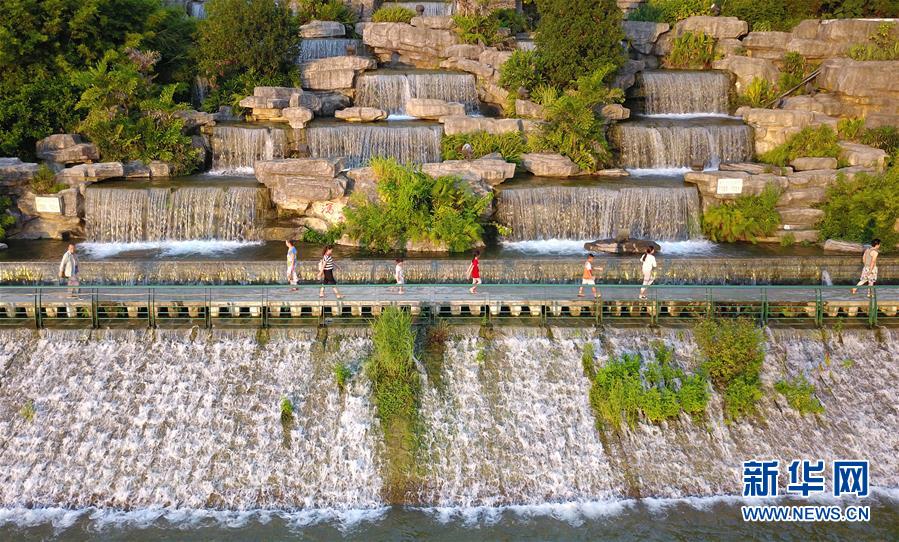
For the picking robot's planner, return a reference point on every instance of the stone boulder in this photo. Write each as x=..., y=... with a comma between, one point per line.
x=297, y=117
x=863, y=87
x=642, y=35
x=615, y=112
x=822, y=103
x=800, y=219
x=433, y=22
x=747, y=68
x=322, y=29
x=716, y=27
x=309, y=100
x=807, y=164
x=835, y=245
x=330, y=102
x=15, y=174
x=769, y=45
x=857, y=154
x=333, y=73
x=424, y=108
x=772, y=127
x=422, y=47
x=527, y=108
x=90, y=173
x=51, y=227
x=622, y=246
x=492, y=171
x=194, y=120
x=298, y=167
x=464, y=50
x=544, y=164
x=494, y=57
x=467, y=125
x=815, y=49
x=296, y=183
x=361, y=114
x=67, y=149
x=475, y=67
x=626, y=75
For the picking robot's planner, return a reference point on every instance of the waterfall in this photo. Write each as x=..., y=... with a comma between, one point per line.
x=587, y=213
x=685, y=92
x=432, y=9
x=161, y=214
x=236, y=148
x=359, y=143
x=389, y=91
x=677, y=144
x=316, y=48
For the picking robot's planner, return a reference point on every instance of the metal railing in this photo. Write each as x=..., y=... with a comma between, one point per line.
x=279, y=306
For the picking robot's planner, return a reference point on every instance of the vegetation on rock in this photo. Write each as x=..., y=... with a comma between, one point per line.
x=392, y=14
x=522, y=70
x=759, y=93
x=733, y=353
x=691, y=50
x=669, y=11
x=6, y=219
x=325, y=10
x=816, y=142
x=863, y=208
x=800, y=395
x=44, y=181
x=882, y=44
x=510, y=145
x=413, y=206
x=747, y=218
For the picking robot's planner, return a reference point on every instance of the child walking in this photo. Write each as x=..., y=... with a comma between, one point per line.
x=326, y=269
x=588, y=279
x=399, y=275
x=649, y=267
x=474, y=272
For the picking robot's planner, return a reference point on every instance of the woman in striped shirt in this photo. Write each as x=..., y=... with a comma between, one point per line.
x=326, y=269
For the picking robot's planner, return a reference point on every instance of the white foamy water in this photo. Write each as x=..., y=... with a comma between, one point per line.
x=166, y=248
x=692, y=246
x=690, y=116
x=573, y=247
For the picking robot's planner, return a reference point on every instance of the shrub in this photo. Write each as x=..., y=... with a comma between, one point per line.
x=44, y=181
x=587, y=361
x=229, y=92
x=733, y=354
x=574, y=42
x=286, y=411
x=477, y=29
x=863, y=208
x=342, y=374
x=6, y=219
x=511, y=19
x=325, y=10
x=851, y=129
x=669, y=11
x=884, y=137
x=800, y=395
x=795, y=70
x=820, y=141
x=236, y=36
x=759, y=92
x=328, y=237
x=510, y=145
x=391, y=366
x=414, y=206
x=572, y=127
x=747, y=218
x=129, y=118
x=691, y=50
x=882, y=45
x=27, y=411
x=393, y=14
x=522, y=70
x=762, y=15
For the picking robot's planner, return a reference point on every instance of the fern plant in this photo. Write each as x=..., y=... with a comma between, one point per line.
x=745, y=219
x=691, y=50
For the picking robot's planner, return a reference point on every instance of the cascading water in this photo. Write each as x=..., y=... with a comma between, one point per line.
x=129, y=215
x=669, y=144
x=562, y=212
x=316, y=48
x=389, y=91
x=677, y=92
x=235, y=148
x=432, y=9
x=359, y=143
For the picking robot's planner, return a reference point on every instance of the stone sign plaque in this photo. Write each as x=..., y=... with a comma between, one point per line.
x=48, y=204
x=727, y=185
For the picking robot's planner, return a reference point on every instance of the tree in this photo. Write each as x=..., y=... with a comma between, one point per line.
x=247, y=35
x=576, y=40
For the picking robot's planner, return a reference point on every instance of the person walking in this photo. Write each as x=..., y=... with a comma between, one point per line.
x=588, y=278
x=648, y=261
x=869, y=271
x=400, y=276
x=68, y=269
x=292, y=278
x=474, y=272
x=326, y=267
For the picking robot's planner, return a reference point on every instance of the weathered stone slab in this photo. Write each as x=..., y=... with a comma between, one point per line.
x=549, y=165
x=806, y=164
x=463, y=50
x=527, y=108
x=299, y=167
x=361, y=114
x=643, y=34
x=66, y=149
x=88, y=173
x=835, y=245
x=490, y=170
x=471, y=66
x=297, y=117
x=424, y=108
x=333, y=73
x=747, y=68
x=323, y=29
x=717, y=27
x=857, y=154
x=615, y=112
x=434, y=22
x=466, y=125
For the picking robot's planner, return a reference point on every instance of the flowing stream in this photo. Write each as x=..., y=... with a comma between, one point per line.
x=390, y=91
x=235, y=148
x=408, y=143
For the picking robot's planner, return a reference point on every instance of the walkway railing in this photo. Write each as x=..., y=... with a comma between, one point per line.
x=280, y=306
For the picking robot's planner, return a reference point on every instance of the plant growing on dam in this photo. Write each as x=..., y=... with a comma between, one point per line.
x=510, y=145
x=733, y=353
x=413, y=206
x=588, y=361
x=863, y=208
x=883, y=44
x=691, y=50
x=342, y=375
x=392, y=14
x=27, y=411
x=816, y=142
x=625, y=388
x=800, y=395
x=747, y=218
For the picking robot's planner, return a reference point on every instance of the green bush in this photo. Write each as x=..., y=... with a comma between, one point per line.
x=733, y=353
x=510, y=145
x=511, y=19
x=574, y=42
x=44, y=181
x=762, y=15
x=237, y=36
x=884, y=137
x=391, y=366
x=342, y=375
x=747, y=218
x=325, y=238
x=477, y=29
x=286, y=408
x=759, y=92
x=414, y=206
x=130, y=118
x=325, y=10
x=691, y=50
x=882, y=44
x=821, y=141
x=863, y=208
x=522, y=70
x=800, y=395
x=229, y=92
x=392, y=14
x=587, y=361
x=572, y=126
x=851, y=129
x=669, y=11
x=6, y=219
x=795, y=69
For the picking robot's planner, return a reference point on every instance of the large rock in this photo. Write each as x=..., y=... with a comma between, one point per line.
x=835, y=245
x=857, y=154
x=770, y=45
x=297, y=117
x=717, y=27
x=864, y=87
x=772, y=127
x=494, y=57
x=298, y=167
x=66, y=149
x=807, y=164
x=642, y=35
x=90, y=173
x=419, y=46
x=747, y=68
x=361, y=114
x=615, y=112
x=800, y=219
x=622, y=246
x=332, y=73
x=424, y=108
x=329, y=102
x=468, y=125
x=433, y=22
x=322, y=29
x=527, y=108
x=308, y=100
x=464, y=50
x=549, y=165
x=851, y=30
x=51, y=227
x=822, y=102
x=490, y=170
x=194, y=120
x=15, y=174
x=475, y=67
